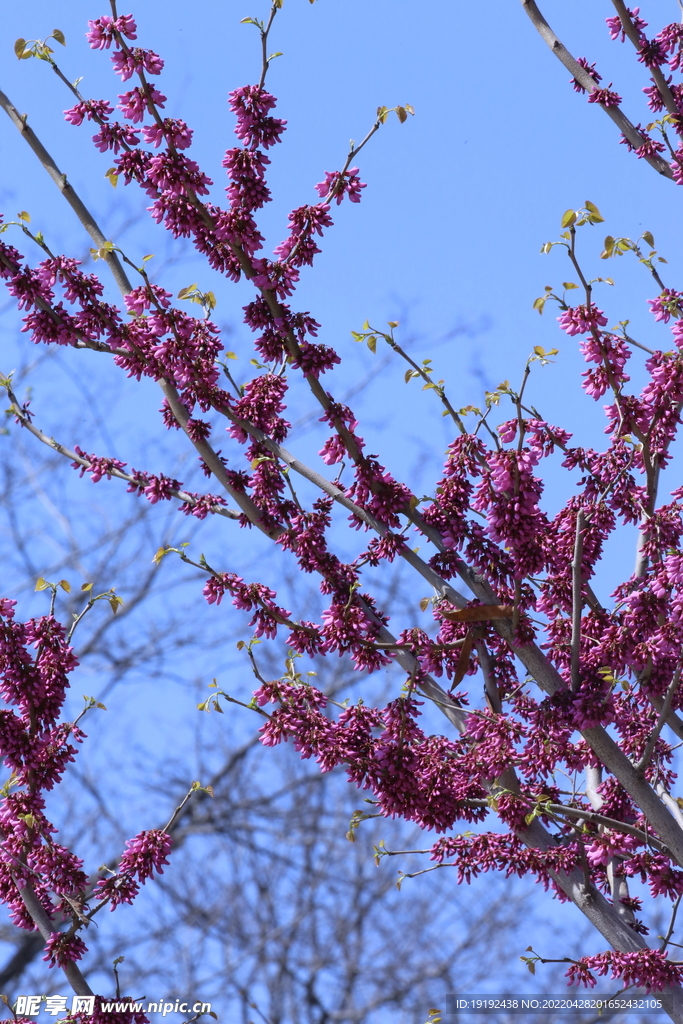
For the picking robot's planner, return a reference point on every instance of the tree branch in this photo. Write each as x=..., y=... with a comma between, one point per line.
x=628, y=130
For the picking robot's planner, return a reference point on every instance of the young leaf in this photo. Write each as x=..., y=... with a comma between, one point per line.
x=58, y=35
x=65, y=585
x=185, y=293
x=568, y=219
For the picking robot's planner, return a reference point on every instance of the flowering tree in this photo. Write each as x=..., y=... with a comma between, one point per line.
x=560, y=754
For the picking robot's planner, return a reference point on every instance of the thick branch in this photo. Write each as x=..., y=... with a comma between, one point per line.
x=60, y=180
x=628, y=130
x=577, y=601
x=46, y=929
x=658, y=78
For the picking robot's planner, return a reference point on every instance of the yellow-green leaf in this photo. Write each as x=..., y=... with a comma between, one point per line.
x=58, y=35
x=184, y=293
x=86, y=586
x=160, y=554
x=647, y=237
x=595, y=215
x=568, y=218
x=23, y=215
x=19, y=47
x=42, y=584
x=65, y=585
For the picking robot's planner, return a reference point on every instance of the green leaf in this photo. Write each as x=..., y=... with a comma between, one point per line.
x=86, y=586
x=58, y=35
x=568, y=219
x=19, y=48
x=539, y=303
x=65, y=585
x=392, y=323
x=568, y=285
x=185, y=293
x=23, y=215
x=230, y=355
x=372, y=343
x=42, y=584
x=647, y=237
x=595, y=215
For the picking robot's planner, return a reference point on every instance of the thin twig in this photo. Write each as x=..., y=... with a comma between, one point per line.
x=183, y=496
x=670, y=930
x=663, y=715
x=577, y=601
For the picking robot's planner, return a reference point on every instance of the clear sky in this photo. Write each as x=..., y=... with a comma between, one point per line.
x=459, y=199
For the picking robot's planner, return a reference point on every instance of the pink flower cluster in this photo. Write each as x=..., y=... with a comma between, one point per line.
x=37, y=750
x=485, y=517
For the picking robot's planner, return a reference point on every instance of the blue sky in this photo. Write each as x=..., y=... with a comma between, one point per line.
x=459, y=199
x=447, y=238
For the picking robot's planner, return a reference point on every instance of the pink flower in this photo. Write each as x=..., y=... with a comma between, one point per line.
x=100, y=33
x=606, y=97
x=127, y=63
x=581, y=319
x=62, y=950
x=336, y=185
x=145, y=854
